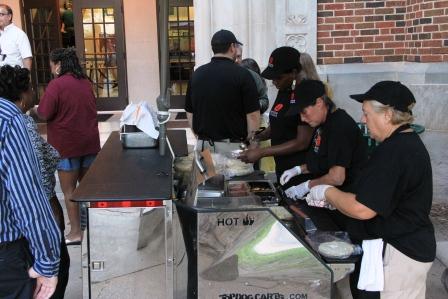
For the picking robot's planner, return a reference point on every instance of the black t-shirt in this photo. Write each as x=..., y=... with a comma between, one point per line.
x=397, y=185
x=338, y=142
x=284, y=129
x=219, y=95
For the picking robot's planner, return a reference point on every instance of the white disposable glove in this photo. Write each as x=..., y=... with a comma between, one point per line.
x=297, y=192
x=289, y=174
x=316, y=197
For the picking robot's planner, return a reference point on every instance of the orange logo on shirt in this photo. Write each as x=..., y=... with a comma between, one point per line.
x=278, y=107
x=317, y=140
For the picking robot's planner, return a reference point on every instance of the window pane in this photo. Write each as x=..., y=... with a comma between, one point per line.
x=88, y=30
x=98, y=15
x=87, y=15
x=183, y=13
x=110, y=29
x=109, y=15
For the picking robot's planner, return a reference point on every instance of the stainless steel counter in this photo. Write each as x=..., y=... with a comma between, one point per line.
x=126, y=174
x=127, y=251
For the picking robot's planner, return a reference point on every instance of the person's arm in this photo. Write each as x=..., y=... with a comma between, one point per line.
x=47, y=108
x=347, y=204
x=24, y=48
x=264, y=103
x=253, y=123
x=334, y=177
x=45, y=286
x=300, y=143
x=250, y=104
x=263, y=135
x=27, y=63
x=262, y=91
x=30, y=207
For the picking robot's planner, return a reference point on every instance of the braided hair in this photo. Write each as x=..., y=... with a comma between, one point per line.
x=69, y=62
x=13, y=82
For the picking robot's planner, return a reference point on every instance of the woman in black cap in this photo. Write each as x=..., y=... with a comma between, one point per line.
x=289, y=136
x=392, y=197
x=337, y=153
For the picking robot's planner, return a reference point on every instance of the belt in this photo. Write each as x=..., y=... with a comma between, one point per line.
x=227, y=140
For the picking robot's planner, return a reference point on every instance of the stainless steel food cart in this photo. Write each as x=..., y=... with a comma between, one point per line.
x=246, y=245
x=127, y=251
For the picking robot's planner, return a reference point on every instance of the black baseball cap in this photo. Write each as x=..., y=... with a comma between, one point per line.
x=281, y=61
x=224, y=37
x=305, y=95
x=391, y=93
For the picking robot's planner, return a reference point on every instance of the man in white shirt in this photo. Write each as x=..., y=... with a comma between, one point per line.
x=15, y=47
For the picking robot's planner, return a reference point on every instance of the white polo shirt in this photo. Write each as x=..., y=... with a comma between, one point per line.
x=14, y=46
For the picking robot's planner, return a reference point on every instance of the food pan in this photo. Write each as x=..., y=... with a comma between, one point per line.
x=260, y=186
x=132, y=137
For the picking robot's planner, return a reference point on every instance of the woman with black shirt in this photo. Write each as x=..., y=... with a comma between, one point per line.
x=289, y=136
x=393, y=195
x=337, y=153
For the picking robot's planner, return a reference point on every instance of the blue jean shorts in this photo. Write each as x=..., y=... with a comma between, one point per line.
x=70, y=164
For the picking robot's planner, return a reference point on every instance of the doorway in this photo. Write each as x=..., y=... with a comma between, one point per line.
x=99, y=33
x=41, y=24
x=99, y=39
x=181, y=49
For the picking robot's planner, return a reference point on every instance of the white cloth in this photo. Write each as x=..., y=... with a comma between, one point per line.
x=142, y=116
x=371, y=276
x=14, y=46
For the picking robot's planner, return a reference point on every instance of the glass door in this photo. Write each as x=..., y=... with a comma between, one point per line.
x=181, y=49
x=42, y=27
x=100, y=42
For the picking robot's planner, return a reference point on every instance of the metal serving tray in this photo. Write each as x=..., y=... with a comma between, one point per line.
x=131, y=137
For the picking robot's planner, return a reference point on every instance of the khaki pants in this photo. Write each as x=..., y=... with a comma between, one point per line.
x=404, y=278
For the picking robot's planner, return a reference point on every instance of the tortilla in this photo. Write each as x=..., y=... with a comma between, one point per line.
x=336, y=249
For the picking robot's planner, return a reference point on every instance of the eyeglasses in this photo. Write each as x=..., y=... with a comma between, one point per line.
x=2, y=14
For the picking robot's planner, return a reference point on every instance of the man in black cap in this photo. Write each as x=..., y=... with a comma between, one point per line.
x=337, y=152
x=222, y=100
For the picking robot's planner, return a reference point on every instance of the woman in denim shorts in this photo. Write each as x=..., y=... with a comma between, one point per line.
x=69, y=107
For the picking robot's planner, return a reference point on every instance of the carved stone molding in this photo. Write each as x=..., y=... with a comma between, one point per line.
x=297, y=41
x=296, y=19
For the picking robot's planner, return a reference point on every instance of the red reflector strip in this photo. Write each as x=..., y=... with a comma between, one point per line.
x=127, y=204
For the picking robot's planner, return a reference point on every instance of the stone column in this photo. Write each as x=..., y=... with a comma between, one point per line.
x=262, y=25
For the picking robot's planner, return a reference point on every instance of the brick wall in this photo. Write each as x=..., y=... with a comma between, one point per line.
x=350, y=31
